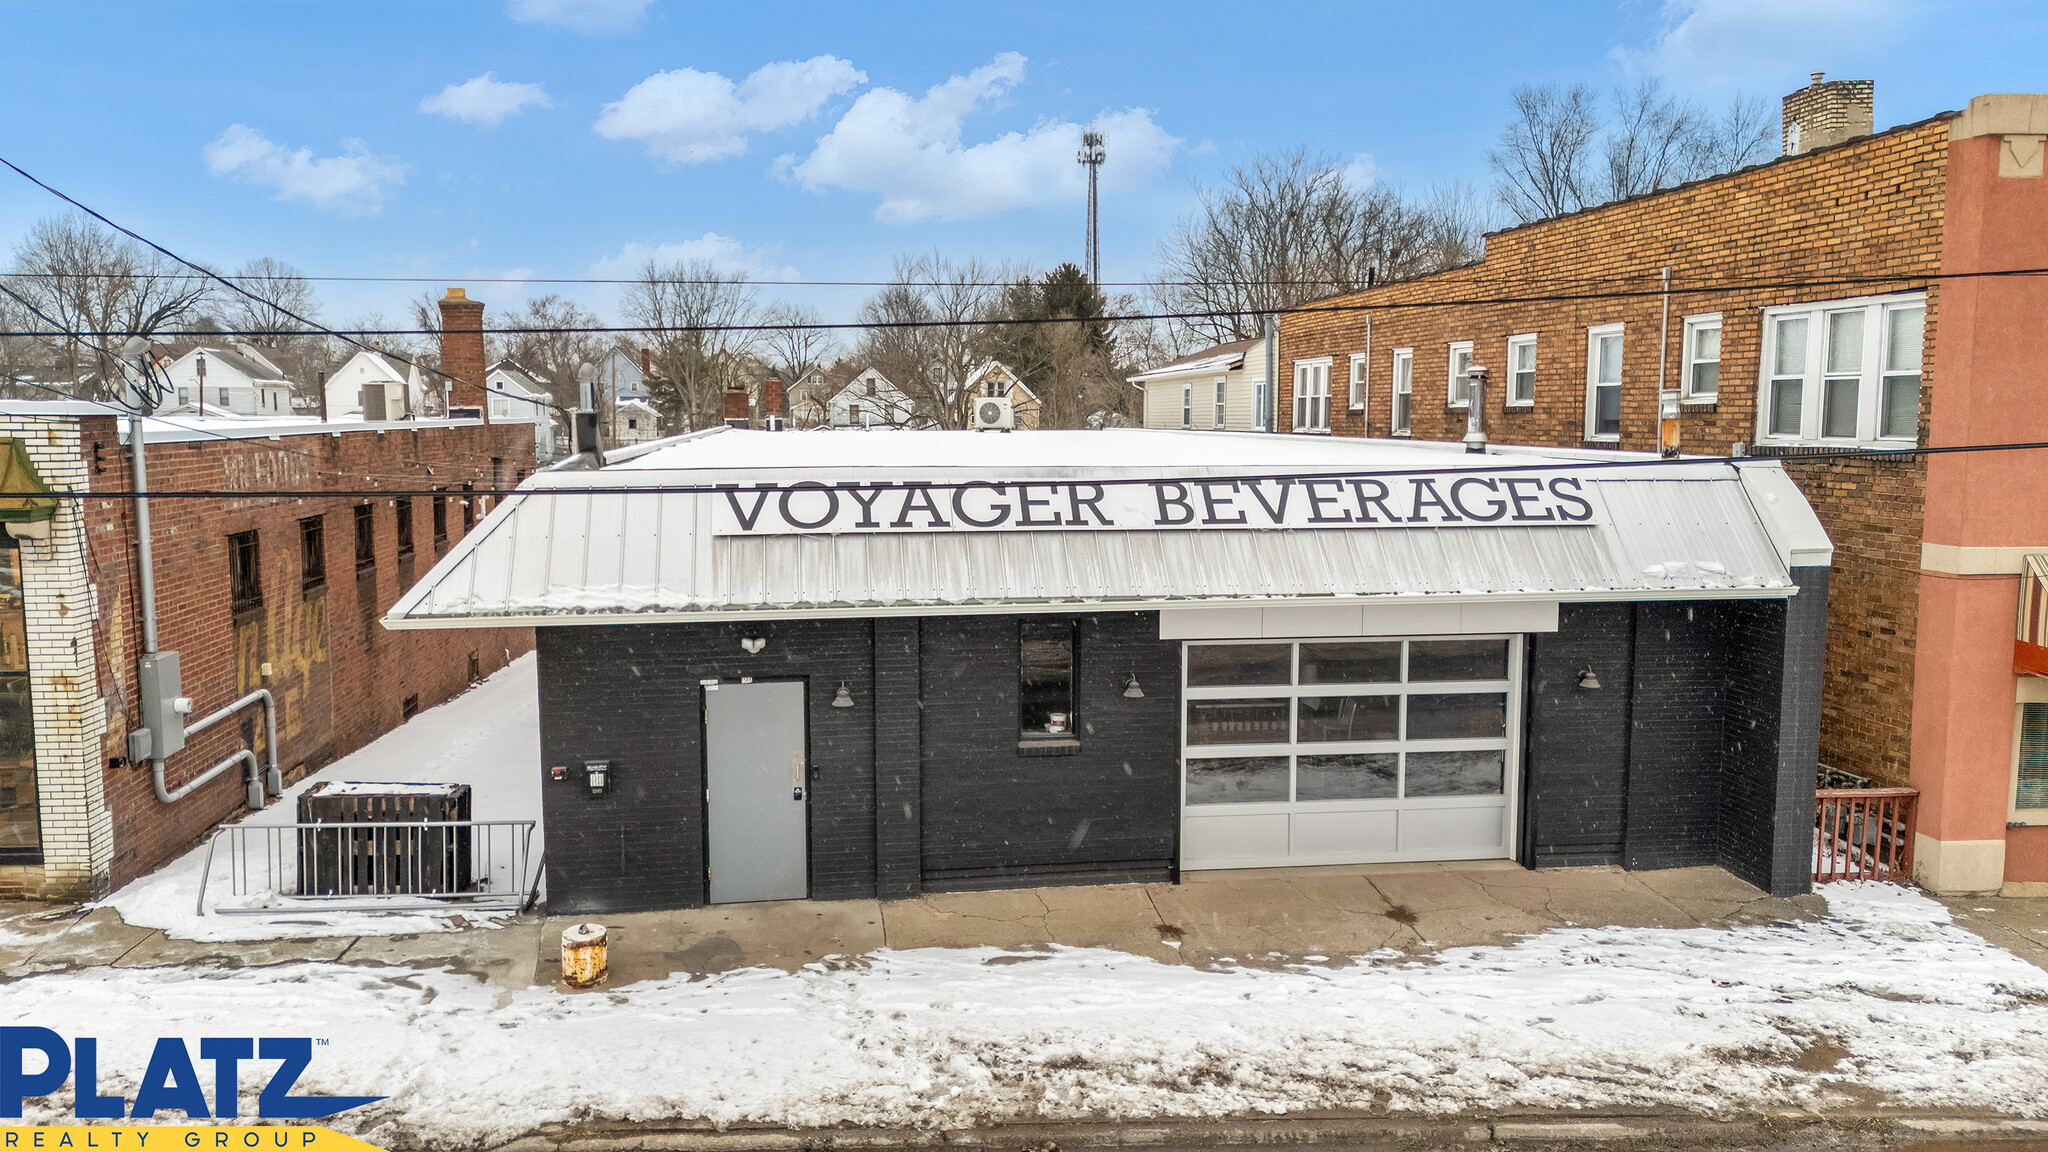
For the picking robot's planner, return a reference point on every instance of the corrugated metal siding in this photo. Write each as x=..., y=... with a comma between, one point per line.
x=609, y=554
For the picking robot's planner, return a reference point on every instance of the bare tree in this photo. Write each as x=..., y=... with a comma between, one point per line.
x=557, y=346
x=689, y=311
x=1541, y=165
x=281, y=293
x=929, y=331
x=1746, y=133
x=1653, y=142
x=1289, y=228
x=88, y=279
x=796, y=349
x=1541, y=160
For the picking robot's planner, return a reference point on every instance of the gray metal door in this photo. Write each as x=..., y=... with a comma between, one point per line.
x=757, y=789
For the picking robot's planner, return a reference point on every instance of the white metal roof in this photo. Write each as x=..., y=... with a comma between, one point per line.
x=638, y=540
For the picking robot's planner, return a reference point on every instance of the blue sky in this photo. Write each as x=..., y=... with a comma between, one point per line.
x=477, y=138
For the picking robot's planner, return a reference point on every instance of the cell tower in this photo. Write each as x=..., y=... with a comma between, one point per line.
x=1092, y=154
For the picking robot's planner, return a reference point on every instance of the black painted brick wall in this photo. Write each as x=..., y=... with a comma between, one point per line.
x=899, y=723
x=990, y=812
x=630, y=694
x=1675, y=722
x=1771, y=740
x=1576, y=755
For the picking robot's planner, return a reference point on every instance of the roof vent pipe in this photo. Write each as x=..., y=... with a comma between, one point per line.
x=1475, y=409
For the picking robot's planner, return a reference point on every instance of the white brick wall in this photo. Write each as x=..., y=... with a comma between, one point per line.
x=70, y=715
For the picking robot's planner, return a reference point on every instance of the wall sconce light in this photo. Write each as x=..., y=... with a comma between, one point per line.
x=1587, y=679
x=1131, y=689
x=842, y=698
x=753, y=643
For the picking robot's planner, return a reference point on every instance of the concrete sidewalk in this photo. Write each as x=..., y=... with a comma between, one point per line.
x=1263, y=918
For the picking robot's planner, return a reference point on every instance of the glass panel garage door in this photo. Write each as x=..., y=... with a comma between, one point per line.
x=1348, y=751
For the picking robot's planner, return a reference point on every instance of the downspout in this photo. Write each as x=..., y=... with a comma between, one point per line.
x=146, y=594
x=1667, y=401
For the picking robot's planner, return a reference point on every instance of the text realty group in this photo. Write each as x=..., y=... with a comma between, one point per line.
x=811, y=506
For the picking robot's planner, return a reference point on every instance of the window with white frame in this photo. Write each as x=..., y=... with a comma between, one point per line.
x=1219, y=399
x=1259, y=404
x=1460, y=358
x=1603, y=382
x=1404, y=389
x=1702, y=364
x=1521, y=370
x=1312, y=395
x=1361, y=371
x=1846, y=370
x=1187, y=403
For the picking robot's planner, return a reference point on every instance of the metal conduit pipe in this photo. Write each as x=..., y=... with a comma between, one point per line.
x=259, y=776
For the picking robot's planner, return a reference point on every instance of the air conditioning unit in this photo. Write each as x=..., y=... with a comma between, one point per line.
x=992, y=412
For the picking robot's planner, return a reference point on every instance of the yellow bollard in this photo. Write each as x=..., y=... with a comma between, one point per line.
x=583, y=955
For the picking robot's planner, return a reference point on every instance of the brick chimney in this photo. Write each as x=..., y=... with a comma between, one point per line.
x=771, y=404
x=462, y=351
x=736, y=406
x=1827, y=112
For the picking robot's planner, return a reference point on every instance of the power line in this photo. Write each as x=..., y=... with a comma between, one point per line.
x=1107, y=482
x=239, y=290
x=1214, y=314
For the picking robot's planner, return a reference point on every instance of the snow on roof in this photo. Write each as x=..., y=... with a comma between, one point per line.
x=1220, y=357
x=643, y=539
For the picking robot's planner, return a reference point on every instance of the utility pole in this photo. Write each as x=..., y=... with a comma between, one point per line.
x=1092, y=155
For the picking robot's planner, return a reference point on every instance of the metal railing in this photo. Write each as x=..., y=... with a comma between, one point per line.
x=1864, y=834
x=368, y=866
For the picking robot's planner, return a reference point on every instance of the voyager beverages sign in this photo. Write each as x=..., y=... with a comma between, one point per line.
x=1519, y=499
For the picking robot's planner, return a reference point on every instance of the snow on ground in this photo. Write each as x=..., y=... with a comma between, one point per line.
x=1703, y=1019
x=488, y=737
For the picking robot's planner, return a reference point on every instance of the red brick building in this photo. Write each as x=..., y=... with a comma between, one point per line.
x=257, y=591
x=1847, y=296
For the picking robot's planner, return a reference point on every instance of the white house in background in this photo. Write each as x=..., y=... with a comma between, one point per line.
x=373, y=386
x=622, y=374
x=633, y=422
x=869, y=400
x=228, y=377
x=518, y=397
x=1223, y=387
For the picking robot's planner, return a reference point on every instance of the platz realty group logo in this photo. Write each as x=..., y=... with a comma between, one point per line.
x=170, y=1084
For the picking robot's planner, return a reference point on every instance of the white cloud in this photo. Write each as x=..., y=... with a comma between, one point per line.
x=908, y=151
x=484, y=100
x=726, y=253
x=689, y=117
x=351, y=184
x=1362, y=173
x=590, y=17
x=1727, y=44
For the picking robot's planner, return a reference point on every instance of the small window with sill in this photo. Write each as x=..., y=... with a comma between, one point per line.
x=1603, y=382
x=312, y=553
x=1404, y=389
x=1187, y=403
x=1844, y=371
x=1703, y=358
x=245, y=571
x=1312, y=395
x=1457, y=384
x=1361, y=377
x=1045, y=682
x=1521, y=379
x=1219, y=399
x=366, y=536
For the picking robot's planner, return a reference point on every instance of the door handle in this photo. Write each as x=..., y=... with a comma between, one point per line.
x=796, y=776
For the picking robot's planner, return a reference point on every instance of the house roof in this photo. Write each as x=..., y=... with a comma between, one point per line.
x=1220, y=357
x=251, y=363
x=652, y=537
